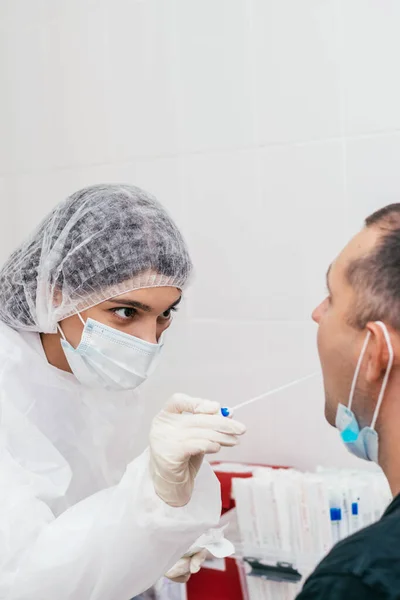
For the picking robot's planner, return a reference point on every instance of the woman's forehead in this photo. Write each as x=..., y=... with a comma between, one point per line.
x=151, y=297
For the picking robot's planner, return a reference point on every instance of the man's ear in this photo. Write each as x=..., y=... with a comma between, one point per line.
x=377, y=353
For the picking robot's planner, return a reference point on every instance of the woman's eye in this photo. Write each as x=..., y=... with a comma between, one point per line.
x=168, y=313
x=124, y=313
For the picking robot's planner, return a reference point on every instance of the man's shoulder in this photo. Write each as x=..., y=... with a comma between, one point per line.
x=364, y=549
x=370, y=558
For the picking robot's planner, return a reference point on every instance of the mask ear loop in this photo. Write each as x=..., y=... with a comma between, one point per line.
x=386, y=377
x=61, y=331
x=357, y=371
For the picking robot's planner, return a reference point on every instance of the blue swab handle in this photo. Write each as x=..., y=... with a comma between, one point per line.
x=226, y=412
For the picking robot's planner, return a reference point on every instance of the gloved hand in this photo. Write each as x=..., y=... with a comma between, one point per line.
x=179, y=441
x=186, y=566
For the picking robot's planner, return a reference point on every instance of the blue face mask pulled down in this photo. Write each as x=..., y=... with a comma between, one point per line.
x=363, y=442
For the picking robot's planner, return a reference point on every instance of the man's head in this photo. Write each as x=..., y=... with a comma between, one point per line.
x=363, y=287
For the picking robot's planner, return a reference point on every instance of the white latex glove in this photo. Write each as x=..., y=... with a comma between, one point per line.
x=179, y=441
x=215, y=542
x=186, y=566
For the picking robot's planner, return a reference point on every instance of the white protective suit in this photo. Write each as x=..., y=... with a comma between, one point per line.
x=79, y=518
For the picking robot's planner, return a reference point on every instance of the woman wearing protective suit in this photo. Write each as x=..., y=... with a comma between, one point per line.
x=84, y=303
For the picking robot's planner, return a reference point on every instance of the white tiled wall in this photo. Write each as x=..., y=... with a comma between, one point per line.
x=269, y=128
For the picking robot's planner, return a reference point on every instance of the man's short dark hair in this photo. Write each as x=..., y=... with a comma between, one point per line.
x=376, y=277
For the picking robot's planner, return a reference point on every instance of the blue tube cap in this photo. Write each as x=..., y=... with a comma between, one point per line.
x=226, y=412
x=336, y=514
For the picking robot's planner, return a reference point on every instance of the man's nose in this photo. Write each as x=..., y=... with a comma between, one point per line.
x=316, y=314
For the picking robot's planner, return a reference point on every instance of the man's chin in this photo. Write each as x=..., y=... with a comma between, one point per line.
x=330, y=413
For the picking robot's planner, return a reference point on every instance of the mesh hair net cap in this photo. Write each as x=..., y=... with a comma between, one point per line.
x=101, y=242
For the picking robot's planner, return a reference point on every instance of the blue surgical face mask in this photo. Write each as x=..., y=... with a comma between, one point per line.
x=110, y=359
x=363, y=442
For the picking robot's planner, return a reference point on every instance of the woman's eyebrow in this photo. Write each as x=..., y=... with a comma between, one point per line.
x=133, y=303
x=140, y=305
x=176, y=303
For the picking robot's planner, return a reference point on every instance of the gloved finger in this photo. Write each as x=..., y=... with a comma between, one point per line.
x=181, y=568
x=201, y=446
x=222, y=439
x=181, y=403
x=183, y=579
x=221, y=424
x=197, y=560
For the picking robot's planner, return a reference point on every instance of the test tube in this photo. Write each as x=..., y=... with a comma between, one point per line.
x=355, y=524
x=336, y=518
